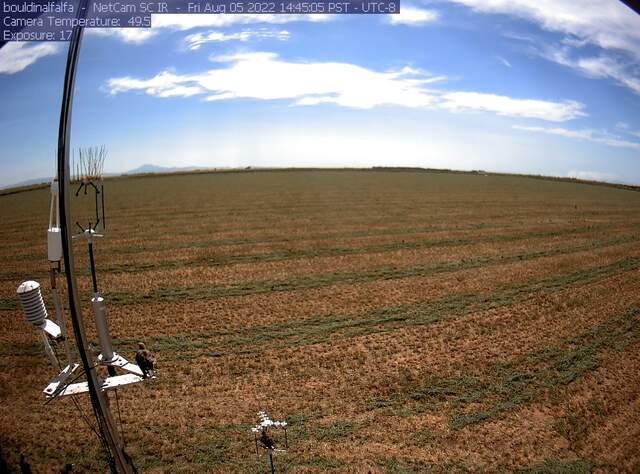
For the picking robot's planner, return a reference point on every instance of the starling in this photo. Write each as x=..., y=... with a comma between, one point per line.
x=145, y=360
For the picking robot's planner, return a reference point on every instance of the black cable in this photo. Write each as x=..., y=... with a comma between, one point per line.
x=107, y=452
x=96, y=204
x=55, y=353
x=83, y=415
x=92, y=265
x=61, y=389
x=86, y=419
x=104, y=223
x=124, y=441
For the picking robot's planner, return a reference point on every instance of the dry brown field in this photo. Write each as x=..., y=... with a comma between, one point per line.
x=399, y=321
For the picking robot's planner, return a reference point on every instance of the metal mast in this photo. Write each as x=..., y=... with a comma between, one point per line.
x=122, y=463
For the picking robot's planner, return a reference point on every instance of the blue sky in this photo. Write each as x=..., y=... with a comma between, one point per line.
x=548, y=87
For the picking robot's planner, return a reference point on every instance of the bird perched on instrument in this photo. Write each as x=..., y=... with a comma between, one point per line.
x=145, y=360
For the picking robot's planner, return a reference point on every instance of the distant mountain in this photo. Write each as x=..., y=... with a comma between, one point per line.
x=144, y=169
x=28, y=182
x=159, y=169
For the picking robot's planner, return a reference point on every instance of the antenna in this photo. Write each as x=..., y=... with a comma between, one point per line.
x=88, y=174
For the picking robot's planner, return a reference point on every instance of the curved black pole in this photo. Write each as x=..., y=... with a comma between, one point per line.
x=121, y=461
x=633, y=4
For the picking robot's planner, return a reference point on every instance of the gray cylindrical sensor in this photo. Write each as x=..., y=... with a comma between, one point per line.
x=100, y=314
x=32, y=303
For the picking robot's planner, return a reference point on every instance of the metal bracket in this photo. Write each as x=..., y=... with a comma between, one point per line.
x=52, y=329
x=121, y=363
x=54, y=385
x=107, y=384
x=57, y=389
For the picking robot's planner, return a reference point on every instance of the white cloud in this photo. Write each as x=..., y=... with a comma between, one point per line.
x=502, y=105
x=603, y=67
x=592, y=175
x=503, y=61
x=622, y=125
x=17, y=56
x=184, y=22
x=607, y=67
x=626, y=128
x=601, y=137
x=128, y=35
x=574, y=42
x=165, y=84
x=607, y=24
x=265, y=76
x=412, y=16
x=194, y=41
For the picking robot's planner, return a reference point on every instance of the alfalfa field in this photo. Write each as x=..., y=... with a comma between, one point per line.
x=399, y=321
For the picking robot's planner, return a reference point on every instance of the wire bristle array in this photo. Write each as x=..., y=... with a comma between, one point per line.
x=88, y=166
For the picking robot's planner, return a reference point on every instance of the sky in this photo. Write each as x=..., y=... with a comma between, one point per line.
x=548, y=87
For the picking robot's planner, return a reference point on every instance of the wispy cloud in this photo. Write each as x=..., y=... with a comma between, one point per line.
x=183, y=22
x=343, y=84
x=17, y=56
x=592, y=175
x=196, y=40
x=503, y=61
x=127, y=35
x=503, y=105
x=413, y=16
x=626, y=128
x=606, y=24
x=603, y=67
x=596, y=136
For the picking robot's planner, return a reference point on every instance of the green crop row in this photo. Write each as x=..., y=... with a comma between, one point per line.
x=323, y=329
x=507, y=386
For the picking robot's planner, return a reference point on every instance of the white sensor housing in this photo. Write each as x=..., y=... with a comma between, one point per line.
x=54, y=244
x=34, y=308
x=54, y=236
x=32, y=303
